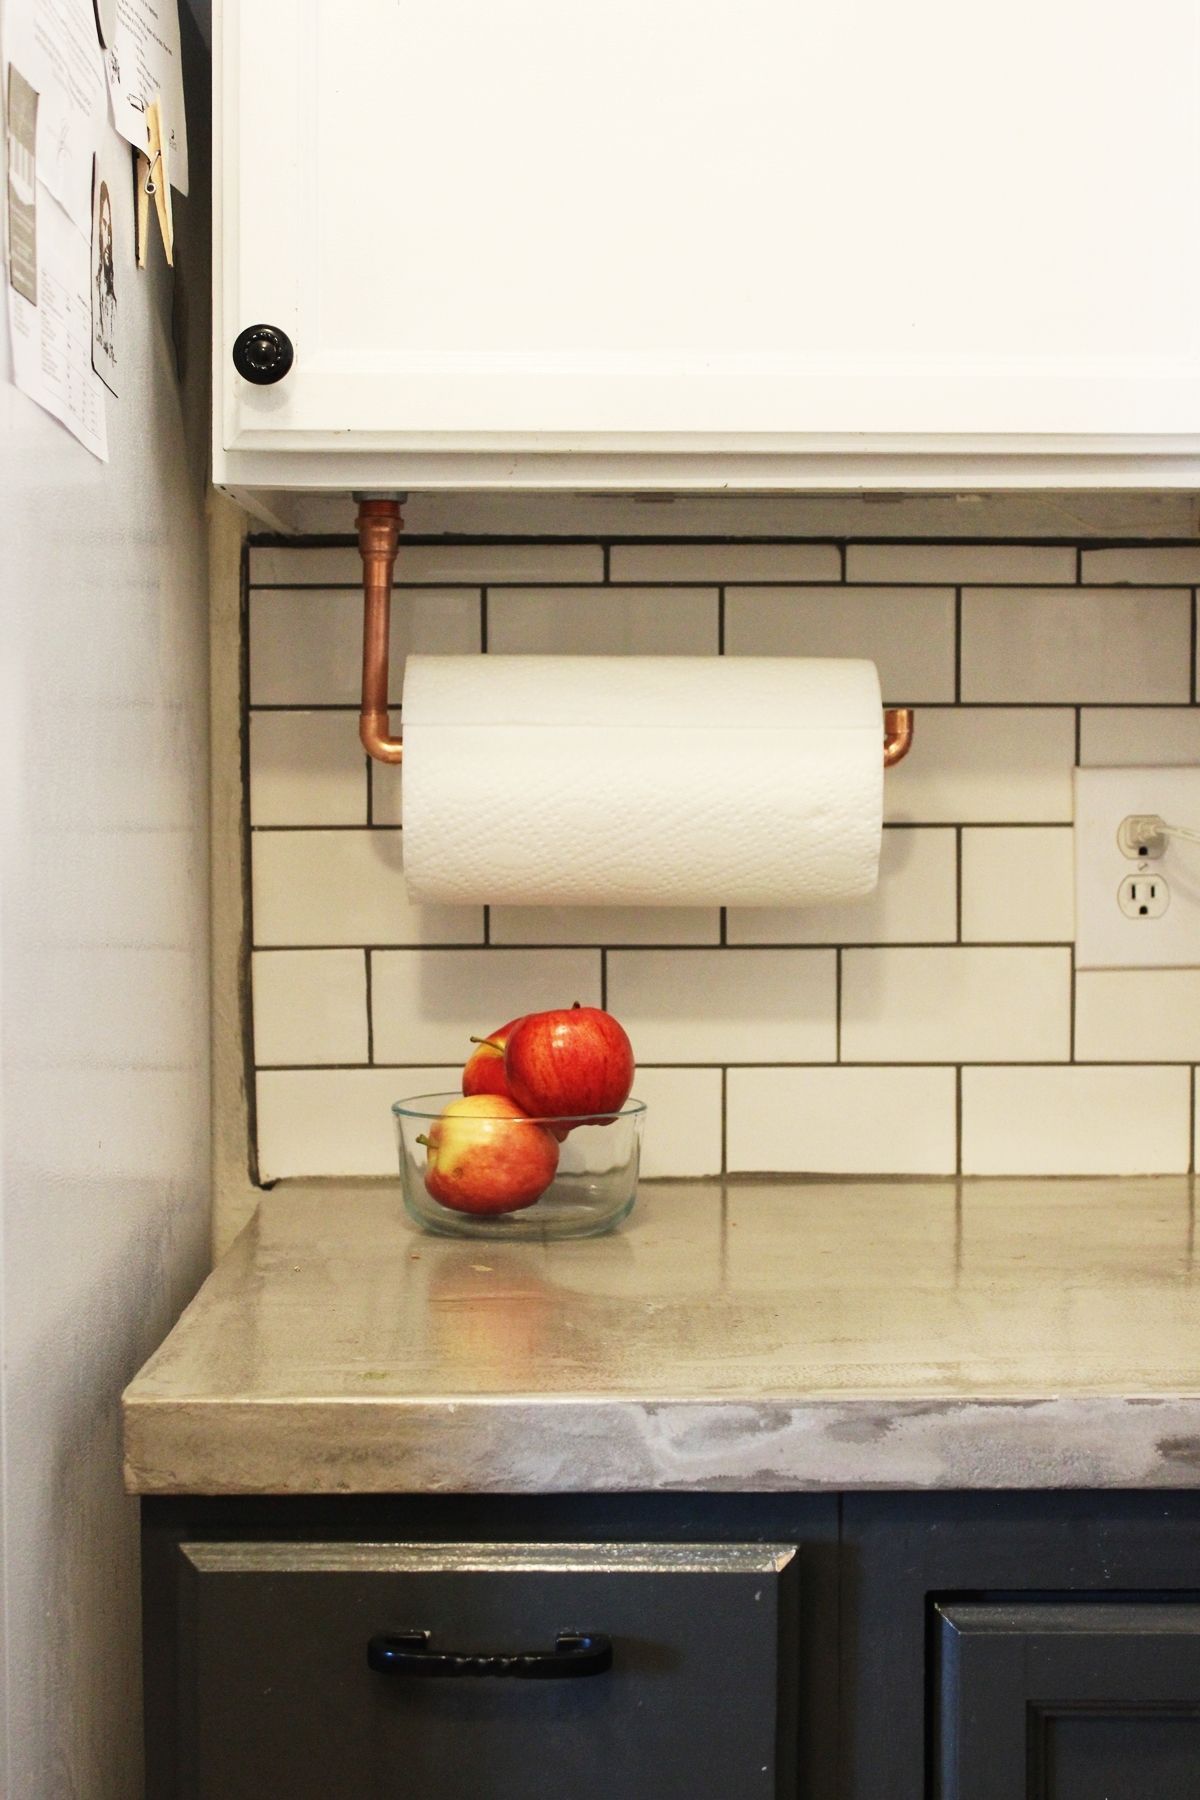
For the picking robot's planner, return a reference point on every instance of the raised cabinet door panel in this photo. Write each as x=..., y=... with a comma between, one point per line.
x=515, y=227
x=1067, y=1700
x=276, y=1696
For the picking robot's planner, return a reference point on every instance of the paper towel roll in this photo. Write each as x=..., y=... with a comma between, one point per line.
x=641, y=780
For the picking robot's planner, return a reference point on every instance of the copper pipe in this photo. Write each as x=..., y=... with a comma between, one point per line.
x=379, y=528
x=897, y=734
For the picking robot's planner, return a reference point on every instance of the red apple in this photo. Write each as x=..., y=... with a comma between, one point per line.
x=576, y=1063
x=484, y=1071
x=486, y=1156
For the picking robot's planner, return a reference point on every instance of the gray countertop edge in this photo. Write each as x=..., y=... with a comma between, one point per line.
x=545, y=1445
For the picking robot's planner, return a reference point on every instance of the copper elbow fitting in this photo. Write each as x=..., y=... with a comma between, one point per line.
x=897, y=734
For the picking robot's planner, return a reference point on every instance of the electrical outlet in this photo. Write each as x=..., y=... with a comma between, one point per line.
x=1143, y=896
x=1137, y=894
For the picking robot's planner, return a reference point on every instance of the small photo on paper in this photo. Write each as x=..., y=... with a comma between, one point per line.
x=22, y=185
x=104, y=285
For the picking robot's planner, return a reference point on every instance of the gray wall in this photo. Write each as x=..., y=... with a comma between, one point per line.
x=104, y=1119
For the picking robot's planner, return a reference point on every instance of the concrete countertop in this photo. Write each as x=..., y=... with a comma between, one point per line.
x=754, y=1336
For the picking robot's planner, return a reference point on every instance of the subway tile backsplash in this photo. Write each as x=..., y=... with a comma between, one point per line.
x=938, y=1026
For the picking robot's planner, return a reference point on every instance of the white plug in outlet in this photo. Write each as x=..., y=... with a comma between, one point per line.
x=1137, y=892
x=1143, y=896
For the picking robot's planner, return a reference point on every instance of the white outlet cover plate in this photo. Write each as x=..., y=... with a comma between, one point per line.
x=1104, y=937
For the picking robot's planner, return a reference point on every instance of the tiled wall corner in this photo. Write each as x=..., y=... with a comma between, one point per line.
x=938, y=1026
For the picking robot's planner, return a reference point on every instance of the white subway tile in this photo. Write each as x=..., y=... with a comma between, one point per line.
x=332, y=565
x=1075, y=1121
x=428, y=1004
x=960, y=562
x=339, y=1121
x=717, y=1006
x=842, y=1121
x=310, y=1006
x=314, y=1122
x=345, y=887
x=956, y=1005
x=307, y=768
x=296, y=565
x=979, y=764
x=387, y=793
x=1077, y=644
x=499, y=562
x=306, y=644
x=1144, y=563
x=915, y=902
x=605, y=925
x=1137, y=1015
x=1136, y=737
x=649, y=621
x=908, y=633
x=725, y=562
x=682, y=1133
x=1018, y=884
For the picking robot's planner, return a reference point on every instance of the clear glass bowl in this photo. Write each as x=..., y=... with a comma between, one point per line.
x=592, y=1188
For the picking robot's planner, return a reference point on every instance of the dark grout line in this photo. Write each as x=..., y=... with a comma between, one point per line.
x=370, y=1010
x=350, y=707
x=346, y=540
x=837, y=1007
x=946, y=1062
x=888, y=825
x=707, y=949
x=245, y=949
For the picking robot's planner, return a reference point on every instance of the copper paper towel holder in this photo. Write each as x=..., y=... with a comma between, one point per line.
x=379, y=528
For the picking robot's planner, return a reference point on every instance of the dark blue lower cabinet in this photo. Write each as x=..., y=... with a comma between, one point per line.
x=1067, y=1699
x=494, y=1671
x=871, y=1646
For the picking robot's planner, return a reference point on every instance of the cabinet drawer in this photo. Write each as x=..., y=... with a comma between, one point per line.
x=277, y=1695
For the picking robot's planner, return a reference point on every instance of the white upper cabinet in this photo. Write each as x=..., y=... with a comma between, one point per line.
x=681, y=244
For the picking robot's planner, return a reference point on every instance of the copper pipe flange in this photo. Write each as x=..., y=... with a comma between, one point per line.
x=897, y=734
x=379, y=528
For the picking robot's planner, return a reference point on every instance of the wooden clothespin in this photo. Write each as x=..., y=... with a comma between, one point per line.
x=154, y=181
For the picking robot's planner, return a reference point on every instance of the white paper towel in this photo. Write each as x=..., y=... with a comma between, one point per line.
x=641, y=780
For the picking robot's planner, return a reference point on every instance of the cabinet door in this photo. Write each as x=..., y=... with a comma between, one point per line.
x=507, y=234
x=1067, y=1700
x=276, y=1695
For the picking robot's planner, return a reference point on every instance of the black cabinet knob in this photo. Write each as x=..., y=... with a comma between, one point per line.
x=262, y=354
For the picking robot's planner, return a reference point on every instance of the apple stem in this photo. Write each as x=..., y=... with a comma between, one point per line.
x=491, y=1044
x=575, y=1006
x=422, y=1139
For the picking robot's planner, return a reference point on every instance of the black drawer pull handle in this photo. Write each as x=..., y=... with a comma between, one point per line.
x=575, y=1653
